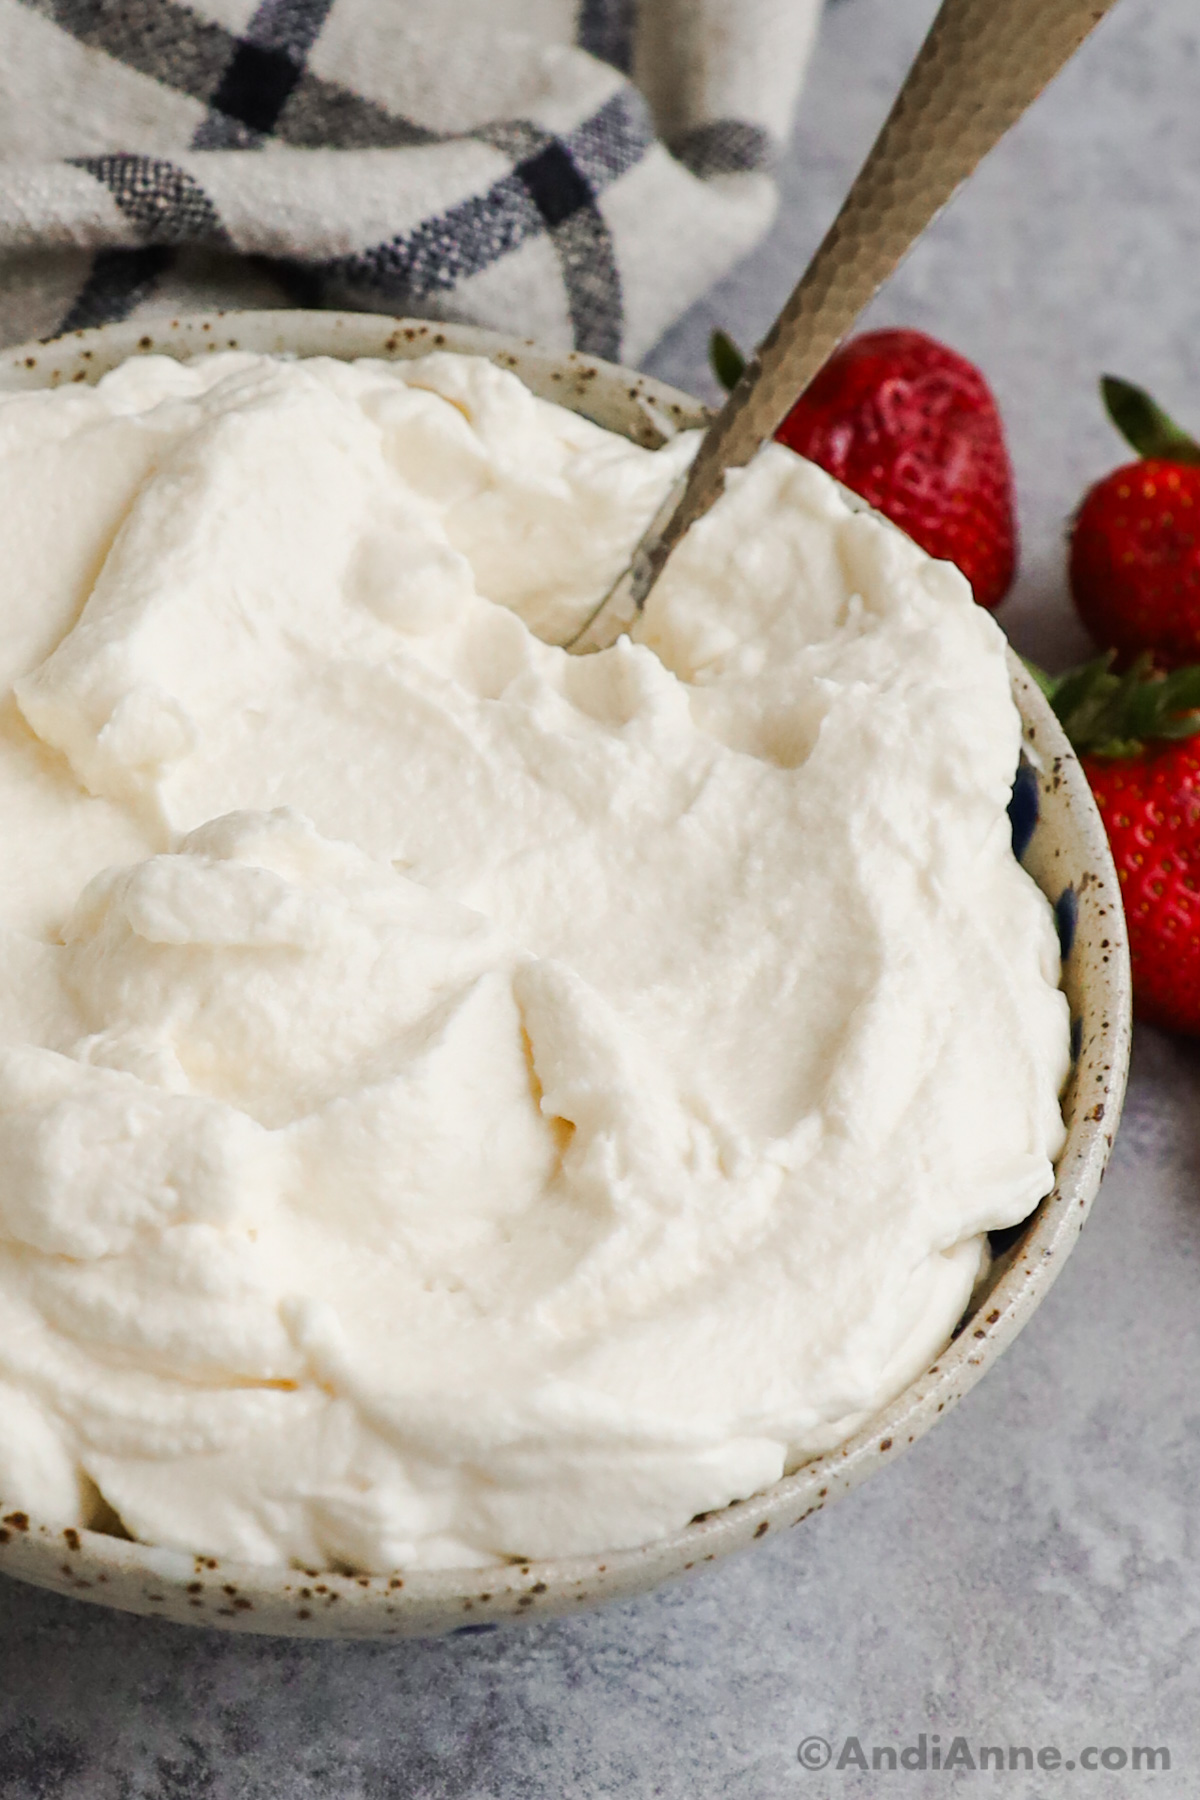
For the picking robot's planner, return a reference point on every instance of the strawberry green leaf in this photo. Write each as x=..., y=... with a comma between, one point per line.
x=1143, y=423
x=1116, y=749
x=1081, y=697
x=1136, y=704
x=726, y=359
x=1182, y=689
x=1184, y=725
x=1112, y=715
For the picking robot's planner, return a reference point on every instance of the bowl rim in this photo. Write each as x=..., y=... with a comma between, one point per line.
x=314, y=1603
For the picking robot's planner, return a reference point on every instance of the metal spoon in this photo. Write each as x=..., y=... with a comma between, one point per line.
x=982, y=64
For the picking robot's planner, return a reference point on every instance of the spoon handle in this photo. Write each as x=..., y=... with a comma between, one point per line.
x=982, y=64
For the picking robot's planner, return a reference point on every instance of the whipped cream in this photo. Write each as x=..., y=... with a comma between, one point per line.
x=458, y=1100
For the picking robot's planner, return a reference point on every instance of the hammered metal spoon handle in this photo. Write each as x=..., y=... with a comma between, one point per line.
x=982, y=64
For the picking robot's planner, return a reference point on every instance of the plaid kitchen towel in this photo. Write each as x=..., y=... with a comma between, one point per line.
x=575, y=170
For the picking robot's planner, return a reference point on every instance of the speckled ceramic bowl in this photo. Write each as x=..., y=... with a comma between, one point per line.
x=1058, y=834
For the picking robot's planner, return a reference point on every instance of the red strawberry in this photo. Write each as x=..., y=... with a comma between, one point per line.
x=1136, y=736
x=912, y=427
x=1151, y=809
x=1135, y=543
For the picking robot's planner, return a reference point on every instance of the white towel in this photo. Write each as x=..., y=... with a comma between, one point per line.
x=578, y=171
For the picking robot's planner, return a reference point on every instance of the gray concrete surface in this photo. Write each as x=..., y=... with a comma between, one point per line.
x=1030, y=1574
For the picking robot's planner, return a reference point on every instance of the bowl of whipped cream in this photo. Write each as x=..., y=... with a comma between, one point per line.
x=484, y=1130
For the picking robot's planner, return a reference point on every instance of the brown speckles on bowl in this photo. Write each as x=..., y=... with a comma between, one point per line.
x=1068, y=847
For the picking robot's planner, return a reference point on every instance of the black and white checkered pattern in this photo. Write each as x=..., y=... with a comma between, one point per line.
x=580, y=182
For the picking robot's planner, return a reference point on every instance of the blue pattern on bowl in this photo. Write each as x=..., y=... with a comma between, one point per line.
x=1023, y=807
x=1066, y=917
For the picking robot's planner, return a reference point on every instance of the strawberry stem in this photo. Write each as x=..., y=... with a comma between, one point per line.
x=1143, y=423
x=726, y=359
x=1111, y=715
